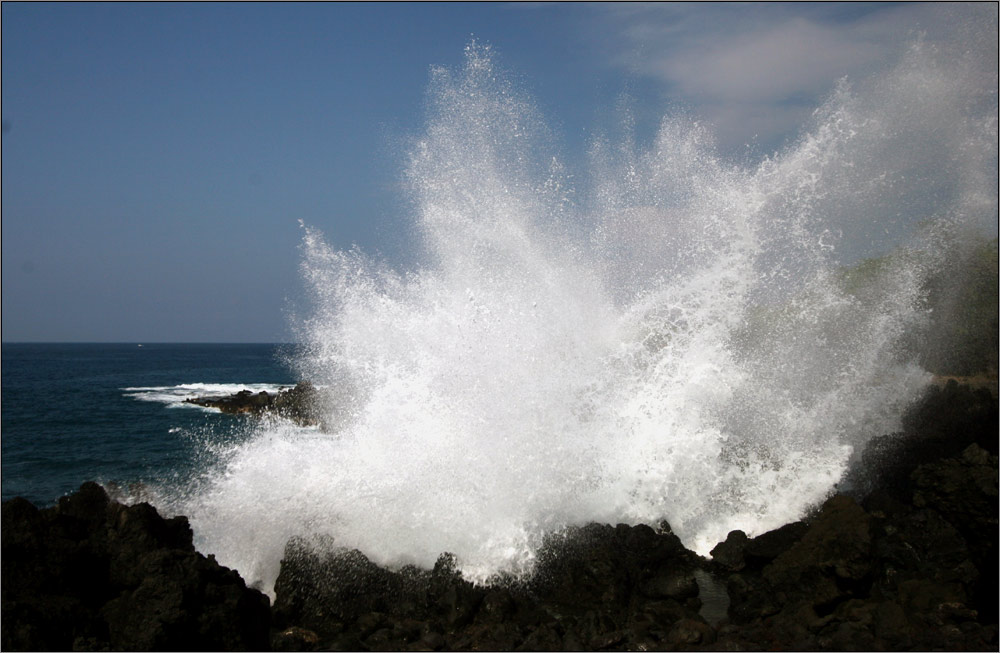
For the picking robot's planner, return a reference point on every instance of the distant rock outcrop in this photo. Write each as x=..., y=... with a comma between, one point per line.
x=299, y=404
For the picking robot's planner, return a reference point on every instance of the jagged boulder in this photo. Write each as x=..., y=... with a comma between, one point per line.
x=596, y=587
x=837, y=545
x=730, y=553
x=941, y=425
x=963, y=489
x=348, y=602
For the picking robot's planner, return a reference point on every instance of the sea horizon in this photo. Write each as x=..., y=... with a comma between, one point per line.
x=115, y=412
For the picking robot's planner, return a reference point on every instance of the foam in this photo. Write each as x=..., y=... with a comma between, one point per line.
x=174, y=396
x=692, y=357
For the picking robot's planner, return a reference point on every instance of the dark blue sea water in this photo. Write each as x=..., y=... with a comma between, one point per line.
x=115, y=412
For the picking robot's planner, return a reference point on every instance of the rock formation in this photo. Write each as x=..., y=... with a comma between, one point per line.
x=906, y=561
x=92, y=574
x=300, y=404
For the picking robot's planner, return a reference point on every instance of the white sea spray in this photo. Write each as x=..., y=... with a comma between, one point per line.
x=689, y=355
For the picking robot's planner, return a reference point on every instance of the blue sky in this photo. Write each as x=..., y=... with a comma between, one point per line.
x=157, y=157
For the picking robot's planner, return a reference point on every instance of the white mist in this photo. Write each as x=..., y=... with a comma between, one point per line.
x=689, y=358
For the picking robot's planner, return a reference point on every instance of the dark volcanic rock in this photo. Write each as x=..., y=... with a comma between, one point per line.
x=768, y=546
x=837, y=545
x=95, y=574
x=962, y=489
x=908, y=565
x=914, y=573
x=348, y=601
x=596, y=587
x=300, y=404
x=242, y=402
x=912, y=565
x=944, y=423
x=607, y=565
x=729, y=554
x=881, y=586
x=322, y=588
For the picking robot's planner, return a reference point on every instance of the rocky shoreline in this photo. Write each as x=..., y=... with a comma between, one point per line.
x=299, y=404
x=907, y=560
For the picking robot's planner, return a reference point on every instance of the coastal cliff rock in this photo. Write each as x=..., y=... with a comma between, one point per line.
x=941, y=425
x=596, y=587
x=904, y=564
x=92, y=574
x=844, y=579
x=861, y=581
x=908, y=562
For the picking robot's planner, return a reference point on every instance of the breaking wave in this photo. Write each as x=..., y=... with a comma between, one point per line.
x=668, y=338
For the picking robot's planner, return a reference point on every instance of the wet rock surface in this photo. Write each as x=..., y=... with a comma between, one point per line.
x=300, y=404
x=596, y=587
x=906, y=562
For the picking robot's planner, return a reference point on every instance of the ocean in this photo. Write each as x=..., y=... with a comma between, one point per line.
x=114, y=413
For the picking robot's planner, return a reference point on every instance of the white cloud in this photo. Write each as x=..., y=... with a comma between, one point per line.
x=789, y=59
x=757, y=70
